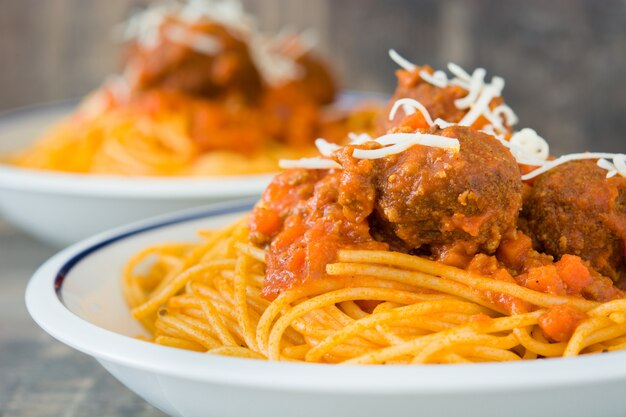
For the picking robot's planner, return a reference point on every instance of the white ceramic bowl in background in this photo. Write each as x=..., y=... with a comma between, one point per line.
x=62, y=208
x=76, y=298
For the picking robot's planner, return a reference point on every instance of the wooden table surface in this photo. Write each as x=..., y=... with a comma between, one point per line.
x=39, y=376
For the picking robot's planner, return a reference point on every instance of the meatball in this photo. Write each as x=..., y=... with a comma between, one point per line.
x=219, y=65
x=440, y=102
x=316, y=82
x=431, y=197
x=575, y=209
x=313, y=81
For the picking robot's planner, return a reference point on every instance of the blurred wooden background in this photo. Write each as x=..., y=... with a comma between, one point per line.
x=564, y=60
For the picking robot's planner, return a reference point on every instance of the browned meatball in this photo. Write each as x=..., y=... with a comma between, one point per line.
x=575, y=209
x=434, y=198
x=173, y=64
x=439, y=102
x=316, y=82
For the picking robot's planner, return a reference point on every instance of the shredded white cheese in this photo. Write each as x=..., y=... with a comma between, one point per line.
x=399, y=142
x=480, y=105
x=534, y=145
x=437, y=78
x=275, y=66
x=459, y=72
x=392, y=143
x=478, y=98
x=144, y=27
x=619, y=161
x=442, y=124
x=199, y=42
x=476, y=82
x=325, y=147
x=618, y=166
x=401, y=61
x=359, y=139
x=409, y=106
x=545, y=167
x=230, y=13
x=506, y=113
x=275, y=59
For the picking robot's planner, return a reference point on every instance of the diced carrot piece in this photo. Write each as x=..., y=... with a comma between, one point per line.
x=545, y=279
x=513, y=252
x=265, y=221
x=560, y=322
x=288, y=236
x=415, y=121
x=573, y=272
x=297, y=259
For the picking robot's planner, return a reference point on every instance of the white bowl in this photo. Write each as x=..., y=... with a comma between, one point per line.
x=62, y=208
x=76, y=297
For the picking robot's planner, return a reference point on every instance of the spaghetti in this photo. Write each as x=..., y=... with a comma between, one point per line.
x=207, y=297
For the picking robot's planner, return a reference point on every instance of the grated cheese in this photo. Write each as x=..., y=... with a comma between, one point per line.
x=276, y=65
x=617, y=159
x=359, y=139
x=506, y=113
x=399, y=142
x=199, y=42
x=409, y=106
x=442, y=124
x=481, y=105
x=475, y=84
x=618, y=166
x=526, y=146
x=230, y=13
x=533, y=144
x=401, y=61
x=437, y=78
x=479, y=96
x=325, y=147
x=459, y=72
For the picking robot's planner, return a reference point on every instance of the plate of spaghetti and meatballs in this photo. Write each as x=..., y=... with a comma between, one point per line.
x=372, y=252
x=204, y=107
x=201, y=92
x=446, y=263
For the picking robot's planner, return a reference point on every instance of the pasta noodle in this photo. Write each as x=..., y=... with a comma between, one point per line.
x=125, y=142
x=207, y=297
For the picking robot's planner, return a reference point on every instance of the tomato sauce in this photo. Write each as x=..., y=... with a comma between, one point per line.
x=300, y=216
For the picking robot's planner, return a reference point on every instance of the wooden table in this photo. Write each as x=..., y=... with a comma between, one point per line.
x=38, y=375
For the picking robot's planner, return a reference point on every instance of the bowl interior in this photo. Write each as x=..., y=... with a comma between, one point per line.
x=91, y=280
x=20, y=127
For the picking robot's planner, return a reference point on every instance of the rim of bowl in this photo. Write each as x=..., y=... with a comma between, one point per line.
x=47, y=309
x=112, y=186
